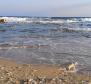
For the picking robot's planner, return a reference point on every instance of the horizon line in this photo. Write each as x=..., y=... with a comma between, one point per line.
x=45, y=16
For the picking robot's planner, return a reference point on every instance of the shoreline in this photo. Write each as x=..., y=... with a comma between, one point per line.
x=15, y=73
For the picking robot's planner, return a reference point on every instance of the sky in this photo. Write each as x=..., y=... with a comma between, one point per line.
x=50, y=8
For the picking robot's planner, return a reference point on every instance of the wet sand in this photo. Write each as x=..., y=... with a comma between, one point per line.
x=15, y=73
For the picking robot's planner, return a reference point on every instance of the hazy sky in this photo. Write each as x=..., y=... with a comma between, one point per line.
x=45, y=8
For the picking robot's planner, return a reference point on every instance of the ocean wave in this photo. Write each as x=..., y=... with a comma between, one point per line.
x=13, y=19
x=45, y=20
x=86, y=19
x=75, y=29
x=18, y=46
x=30, y=20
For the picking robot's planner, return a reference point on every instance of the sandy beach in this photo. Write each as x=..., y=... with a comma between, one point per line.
x=14, y=73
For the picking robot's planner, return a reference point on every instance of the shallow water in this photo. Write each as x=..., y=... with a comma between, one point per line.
x=47, y=40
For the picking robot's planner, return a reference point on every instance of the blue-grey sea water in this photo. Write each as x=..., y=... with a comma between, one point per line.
x=47, y=40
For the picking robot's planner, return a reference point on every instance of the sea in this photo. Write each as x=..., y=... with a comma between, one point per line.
x=47, y=40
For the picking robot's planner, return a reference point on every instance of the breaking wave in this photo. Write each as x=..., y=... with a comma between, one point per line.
x=76, y=29
x=30, y=20
x=45, y=20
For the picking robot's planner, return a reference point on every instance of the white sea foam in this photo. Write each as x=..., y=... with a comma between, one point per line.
x=13, y=19
x=79, y=20
x=44, y=20
x=86, y=19
x=31, y=20
x=70, y=21
x=76, y=29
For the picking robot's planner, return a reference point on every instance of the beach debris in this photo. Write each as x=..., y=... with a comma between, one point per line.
x=72, y=67
x=69, y=67
x=32, y=81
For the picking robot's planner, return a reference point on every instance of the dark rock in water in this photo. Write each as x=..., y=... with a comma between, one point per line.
x=2, y=21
